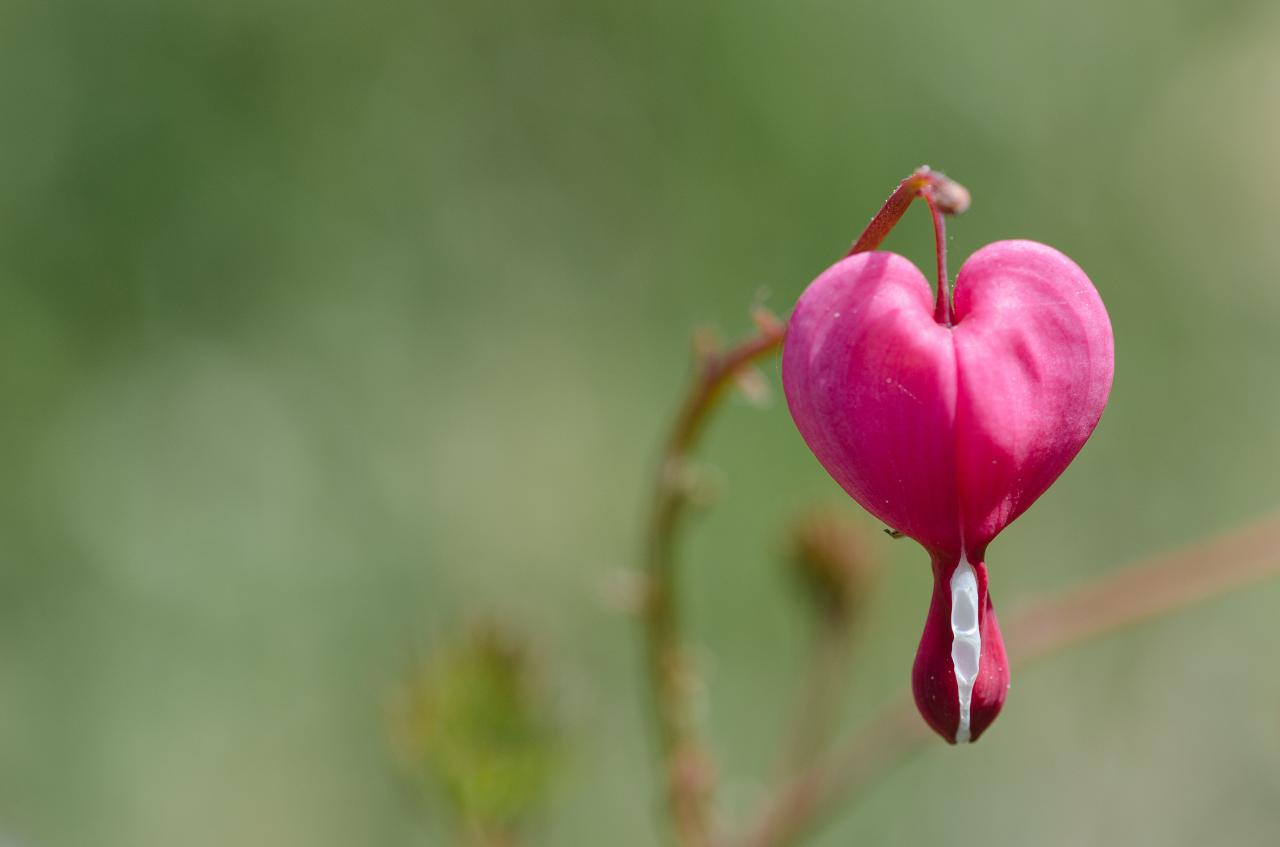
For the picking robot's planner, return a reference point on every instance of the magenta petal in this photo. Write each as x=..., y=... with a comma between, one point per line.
x=870, y=381
x=1034, y=363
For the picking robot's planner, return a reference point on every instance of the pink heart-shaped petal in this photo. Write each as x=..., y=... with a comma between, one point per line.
x=1034, y=363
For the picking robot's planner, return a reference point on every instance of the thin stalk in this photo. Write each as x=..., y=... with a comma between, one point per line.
x=689, y=771
x=942, y=307
x=945, y=195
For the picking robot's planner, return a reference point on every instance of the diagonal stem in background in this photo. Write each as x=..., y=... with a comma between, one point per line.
x=823, y=689
x=1154, y=587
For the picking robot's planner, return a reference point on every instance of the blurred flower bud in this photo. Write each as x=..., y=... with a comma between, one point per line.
x=766, y=321
x=754, y=386
x=474, y=724
x=832, y=558
x=707, y=345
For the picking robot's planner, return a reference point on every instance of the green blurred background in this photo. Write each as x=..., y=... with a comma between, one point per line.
x=327, y=327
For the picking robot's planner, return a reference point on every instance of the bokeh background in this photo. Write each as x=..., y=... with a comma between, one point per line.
x=326, y=328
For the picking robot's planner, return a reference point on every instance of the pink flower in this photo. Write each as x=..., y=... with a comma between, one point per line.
x=948, y=426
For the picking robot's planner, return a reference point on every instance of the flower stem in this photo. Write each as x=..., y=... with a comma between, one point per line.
x=944, y=195
x=688, y=765
x=942, y=309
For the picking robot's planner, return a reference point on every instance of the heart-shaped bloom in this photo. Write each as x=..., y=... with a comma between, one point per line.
x=947, y=432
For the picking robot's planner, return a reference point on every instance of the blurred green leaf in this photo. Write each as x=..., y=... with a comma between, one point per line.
x=477, y=723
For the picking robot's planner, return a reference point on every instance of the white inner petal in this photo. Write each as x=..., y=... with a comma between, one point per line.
x=966, y=641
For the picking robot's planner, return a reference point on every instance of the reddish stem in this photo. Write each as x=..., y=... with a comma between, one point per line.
x=944, y=197
x=941, y=311
x=891, y=212
x=690, y=771
x=950, y=197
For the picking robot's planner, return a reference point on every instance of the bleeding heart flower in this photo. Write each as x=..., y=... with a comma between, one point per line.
x=947, y=424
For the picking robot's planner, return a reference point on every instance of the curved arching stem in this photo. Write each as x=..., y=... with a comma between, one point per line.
x=945, y=196
x=689, y=771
